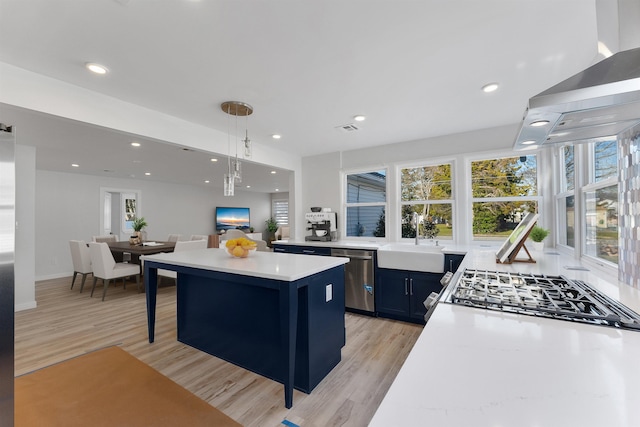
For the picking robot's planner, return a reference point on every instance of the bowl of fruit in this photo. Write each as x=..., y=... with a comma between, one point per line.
x=241, y=247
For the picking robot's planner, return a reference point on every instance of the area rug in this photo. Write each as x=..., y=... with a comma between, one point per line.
x=108, y=387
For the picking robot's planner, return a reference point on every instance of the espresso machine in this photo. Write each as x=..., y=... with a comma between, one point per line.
x=323, y=226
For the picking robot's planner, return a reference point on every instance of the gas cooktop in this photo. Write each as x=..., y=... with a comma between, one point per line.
x=539, y=295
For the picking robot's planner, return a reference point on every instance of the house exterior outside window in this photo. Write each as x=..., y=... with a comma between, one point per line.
x=366, y=201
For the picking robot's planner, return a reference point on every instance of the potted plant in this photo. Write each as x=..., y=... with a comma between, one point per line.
x=537, y=235
x=272, y=227
x=138, y=224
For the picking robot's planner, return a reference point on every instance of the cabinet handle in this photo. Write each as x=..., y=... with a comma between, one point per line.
x=306, y=251
x=410, y=286
x=451, y=265
x=406, y=289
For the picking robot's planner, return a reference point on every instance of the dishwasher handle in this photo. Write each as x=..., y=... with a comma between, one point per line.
x=359, y=257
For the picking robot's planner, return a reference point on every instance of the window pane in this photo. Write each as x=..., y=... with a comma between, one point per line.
x=569, y=168
x=511, y=176
x=435, y=220
x=605, y=155
x=568, y=221
x=369, y=187
x=496, y=220
x=426, y=183
x=280, y=211
x=601, y=208
x=366, y=221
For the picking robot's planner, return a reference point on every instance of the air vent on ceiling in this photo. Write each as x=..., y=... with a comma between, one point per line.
x=347, y=128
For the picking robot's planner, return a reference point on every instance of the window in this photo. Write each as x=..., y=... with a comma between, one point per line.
x=565, y=200
x=600, y=197
x=280, y=210
x=503, y=190
x=366, y=199
x=601, y=208
x=426, y=190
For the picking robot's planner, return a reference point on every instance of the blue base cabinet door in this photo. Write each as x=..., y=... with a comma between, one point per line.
x=400, y=294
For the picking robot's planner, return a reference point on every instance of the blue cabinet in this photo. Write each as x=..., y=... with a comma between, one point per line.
x=452, y=262
x=400, y=294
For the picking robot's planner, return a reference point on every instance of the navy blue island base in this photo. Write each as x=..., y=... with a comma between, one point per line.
x=288, y=331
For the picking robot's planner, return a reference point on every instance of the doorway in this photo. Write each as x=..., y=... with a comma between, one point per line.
x=119, y=207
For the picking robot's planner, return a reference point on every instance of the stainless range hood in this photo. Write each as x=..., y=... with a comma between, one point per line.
x=599, y=102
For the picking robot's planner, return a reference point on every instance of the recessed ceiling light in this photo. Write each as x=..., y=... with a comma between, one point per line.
x=248, y=186
x=273, y=172
x=96, y=68
x=135, y=144
x=490, y=87
x=359, y=118
x=528, y=142
x=214, y=159
x=277, y=189
x=75, y=165
x=276, y=136
x=147, y=173
x=539, y=123
x=206, y=181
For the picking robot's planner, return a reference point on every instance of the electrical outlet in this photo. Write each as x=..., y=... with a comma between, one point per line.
x=328, y=292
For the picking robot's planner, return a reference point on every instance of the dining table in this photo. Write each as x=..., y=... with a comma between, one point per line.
x=144, y=248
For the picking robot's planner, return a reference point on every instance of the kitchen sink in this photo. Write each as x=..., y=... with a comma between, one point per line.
x=405, y=256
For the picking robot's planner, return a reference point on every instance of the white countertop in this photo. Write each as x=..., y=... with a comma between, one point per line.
x=267, y=265
x=474, y=367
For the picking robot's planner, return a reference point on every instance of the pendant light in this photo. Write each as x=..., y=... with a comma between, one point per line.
x=234, y=167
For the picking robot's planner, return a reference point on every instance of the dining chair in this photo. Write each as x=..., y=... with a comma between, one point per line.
x=106, y=268
x=81, y=259
x=182, y=246
x=109, y=238
x=199, y=237
x=282, y=233
x=174, y=237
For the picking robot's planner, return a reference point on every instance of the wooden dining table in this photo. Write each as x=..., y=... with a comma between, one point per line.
x=119, y=248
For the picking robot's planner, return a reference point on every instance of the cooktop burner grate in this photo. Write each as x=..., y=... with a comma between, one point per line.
x=540, y=295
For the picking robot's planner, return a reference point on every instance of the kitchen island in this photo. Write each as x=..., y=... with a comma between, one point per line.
x=475, y=367
x=279, y=315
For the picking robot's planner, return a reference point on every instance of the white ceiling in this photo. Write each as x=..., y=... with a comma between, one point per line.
x=414, y=68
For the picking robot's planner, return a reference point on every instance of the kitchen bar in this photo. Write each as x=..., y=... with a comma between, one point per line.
x=278, y=315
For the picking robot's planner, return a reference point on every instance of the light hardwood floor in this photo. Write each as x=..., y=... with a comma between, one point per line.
x=67, y=324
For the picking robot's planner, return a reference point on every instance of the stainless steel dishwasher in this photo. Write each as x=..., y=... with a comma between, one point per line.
x=359, y=285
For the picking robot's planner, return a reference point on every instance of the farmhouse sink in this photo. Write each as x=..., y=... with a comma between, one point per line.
x=404, y=256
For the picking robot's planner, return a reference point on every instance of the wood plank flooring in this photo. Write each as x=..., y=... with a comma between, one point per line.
x=67, y=324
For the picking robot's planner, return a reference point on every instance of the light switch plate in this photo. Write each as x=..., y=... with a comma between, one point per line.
x=328, y=292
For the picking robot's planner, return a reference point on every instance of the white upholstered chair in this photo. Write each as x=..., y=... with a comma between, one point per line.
x=174, y=237
x=106, y=268
x=236, y=234
x=199, y=237
x=81, y=261
x=182, y=246
x=282, y=233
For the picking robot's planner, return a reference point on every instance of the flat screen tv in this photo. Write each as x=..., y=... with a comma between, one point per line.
x=230, y=218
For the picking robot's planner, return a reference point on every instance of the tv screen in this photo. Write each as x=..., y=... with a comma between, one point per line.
x=230, y=218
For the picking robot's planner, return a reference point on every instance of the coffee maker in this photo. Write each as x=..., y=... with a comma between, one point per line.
x=323, y=226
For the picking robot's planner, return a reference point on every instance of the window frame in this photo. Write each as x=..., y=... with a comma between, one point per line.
x=346, y=205
x=538, y=198
x=451, y=201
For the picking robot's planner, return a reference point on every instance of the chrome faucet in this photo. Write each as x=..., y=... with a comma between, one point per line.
x=415, y=219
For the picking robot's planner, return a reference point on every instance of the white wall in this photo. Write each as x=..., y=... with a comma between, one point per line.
x=68, y=207
x=25, y=160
